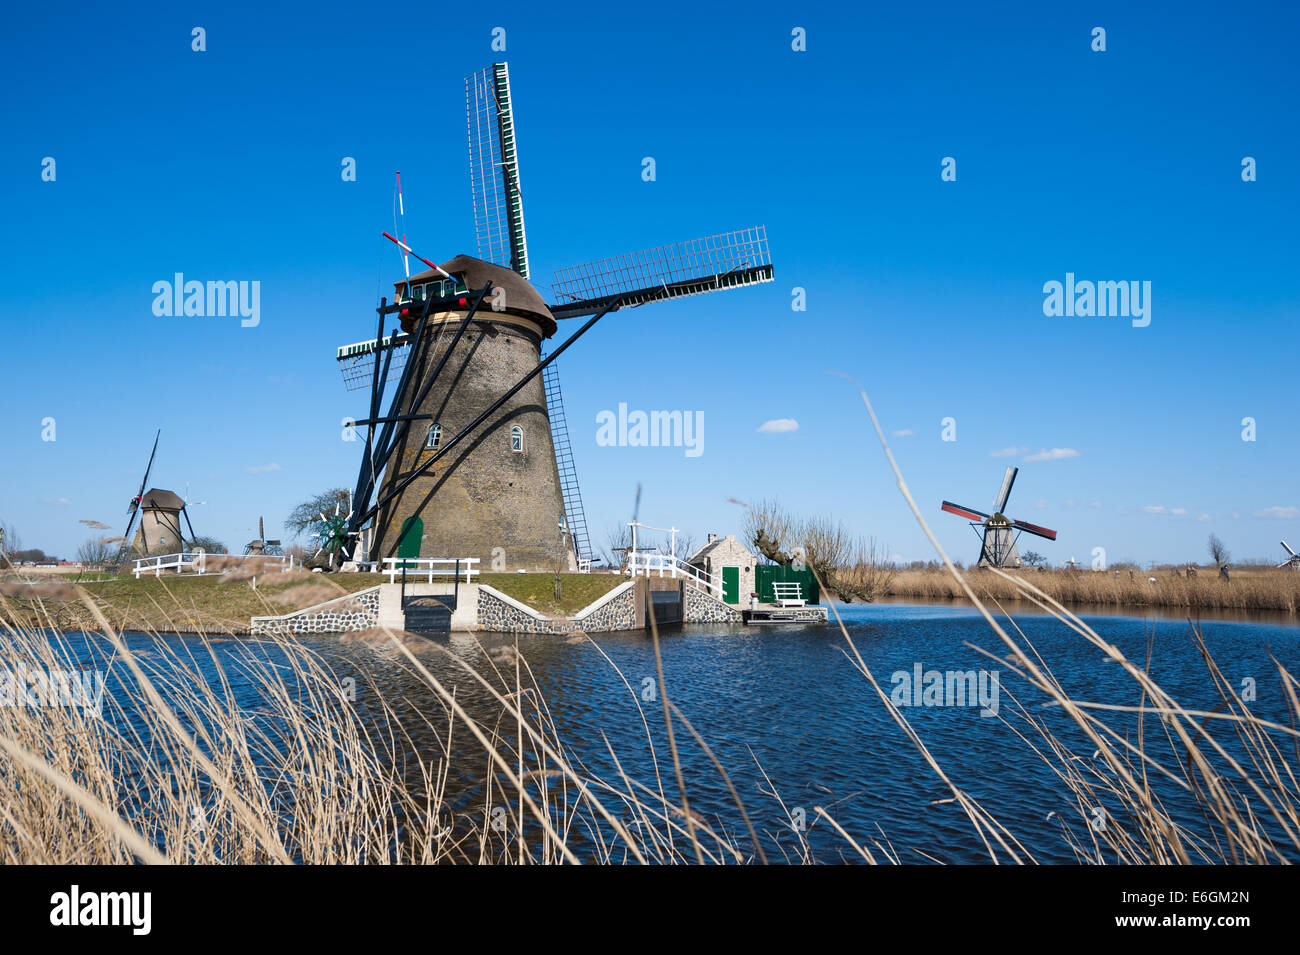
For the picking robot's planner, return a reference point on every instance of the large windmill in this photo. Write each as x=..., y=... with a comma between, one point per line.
x=160, y=512
x=475, y=424
x=999, y=533
x=1293, y=559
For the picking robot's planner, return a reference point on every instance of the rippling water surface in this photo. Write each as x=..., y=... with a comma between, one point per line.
x=789, y=700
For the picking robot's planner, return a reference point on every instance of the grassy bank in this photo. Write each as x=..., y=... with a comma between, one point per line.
x=210, y=604
x=1248, y=589
x=225, y=604
x=538, y=590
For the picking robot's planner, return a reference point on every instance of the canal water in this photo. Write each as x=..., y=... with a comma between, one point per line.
x=787, y=704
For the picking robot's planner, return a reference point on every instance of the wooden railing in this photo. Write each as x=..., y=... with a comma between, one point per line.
x=454, y=567
x=640, y=562
x=197, y=562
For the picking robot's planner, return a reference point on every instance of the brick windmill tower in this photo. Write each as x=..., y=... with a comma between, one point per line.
x=472, y=458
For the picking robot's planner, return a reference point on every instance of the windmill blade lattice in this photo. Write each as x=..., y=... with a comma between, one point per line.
x=494, y=169
x=357, y=361
x=694, y=267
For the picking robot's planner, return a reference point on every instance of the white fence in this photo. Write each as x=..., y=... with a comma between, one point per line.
x=640, y=562
x=453, y=567
x=197, y=562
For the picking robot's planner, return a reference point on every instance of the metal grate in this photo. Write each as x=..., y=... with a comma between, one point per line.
x=357, y=362
x=577, y=519
x=494, y=170
x=693, y=267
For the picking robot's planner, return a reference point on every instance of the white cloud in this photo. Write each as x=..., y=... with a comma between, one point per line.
x=56, y=500
x=1205, y=517
x=1040, y=505
x=1180, y=511
x=260, y=468
x=1007, y=452
x=902, y=433
x=1055, y=454
x=1278, y=513
x=1096, y=504
x=778, y=426
x=1156, y=509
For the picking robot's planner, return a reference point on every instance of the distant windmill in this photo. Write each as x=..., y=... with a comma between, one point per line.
x=998, y=533
x=260, y=545
x=473, y=456
x=1292, y=562
x=160, y=512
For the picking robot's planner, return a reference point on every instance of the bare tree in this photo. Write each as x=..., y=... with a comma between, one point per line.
x=306, y=517
x=684, y=546
x=826, y=546
x=210, y=545
x=10, y=542
x=96, y=552
x=618, y=540
x=770, y=528
x=1218, y=550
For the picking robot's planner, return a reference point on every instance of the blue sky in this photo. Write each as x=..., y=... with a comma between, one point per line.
x=1115, y=165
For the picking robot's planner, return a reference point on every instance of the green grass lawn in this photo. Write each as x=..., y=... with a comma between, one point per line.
x=538, y=590
x=211, y=605
x=171, y=603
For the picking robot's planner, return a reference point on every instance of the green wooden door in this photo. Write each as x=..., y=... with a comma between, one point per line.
x=408, y=545
x=731, y=585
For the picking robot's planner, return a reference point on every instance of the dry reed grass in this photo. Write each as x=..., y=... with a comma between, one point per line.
x=1277, y=590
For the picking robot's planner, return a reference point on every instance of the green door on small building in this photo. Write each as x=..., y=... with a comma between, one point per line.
x=731, y=585
x=408, y=545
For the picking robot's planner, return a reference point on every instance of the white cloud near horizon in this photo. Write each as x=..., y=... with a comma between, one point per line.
x=262, y=468
x=778, y=426
x=1278, y=513
x=1054, y=454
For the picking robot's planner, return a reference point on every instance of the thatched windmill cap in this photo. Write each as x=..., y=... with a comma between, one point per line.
x=161, y=500
x=521, y=298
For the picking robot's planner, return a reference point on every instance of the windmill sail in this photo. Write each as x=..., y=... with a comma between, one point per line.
x=693, y=267
x=357, y=361
x=494, y=169
x=134, y=506
x=574, y=514
x=1000, y=502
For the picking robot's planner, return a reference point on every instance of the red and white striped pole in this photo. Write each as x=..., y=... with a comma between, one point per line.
x=401, y=211
x=406, y=248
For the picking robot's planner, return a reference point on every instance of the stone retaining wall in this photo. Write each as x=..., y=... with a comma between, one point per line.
x=702, y=608
x=814, y=613
x=614, y=611
x=346, y=614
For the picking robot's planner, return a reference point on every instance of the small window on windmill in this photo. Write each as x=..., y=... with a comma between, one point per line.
x=434, y=440
x=516, y=438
